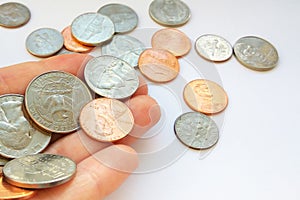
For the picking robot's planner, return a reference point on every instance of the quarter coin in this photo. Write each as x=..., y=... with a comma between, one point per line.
x=13, y=15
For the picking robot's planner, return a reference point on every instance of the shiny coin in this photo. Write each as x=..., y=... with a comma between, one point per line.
x=39, y=171
x=111, y=77
x=124, y=47
x=158, y=65
x=44, y=42
x=106, y=120
x=92, y=29
x=3, y=160
x=213, y=48
x=196, y=130
x=18, y=137
x=13, y=15
x=54, y=100
x=124, y=18
x=173, y=40
x=256, y=53
x=205, y=96
x=169, y=12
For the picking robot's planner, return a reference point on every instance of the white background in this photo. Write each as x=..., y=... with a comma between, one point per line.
x=258, y=154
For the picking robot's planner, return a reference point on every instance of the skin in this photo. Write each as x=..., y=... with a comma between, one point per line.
x=101, y=167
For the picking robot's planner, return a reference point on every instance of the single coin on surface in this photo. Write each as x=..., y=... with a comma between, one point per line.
x=13, y=15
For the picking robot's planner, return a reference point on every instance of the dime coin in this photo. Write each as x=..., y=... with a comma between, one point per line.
x=124, y=18
x=39, y=171
x=17, y=135
x=124, y=47
x=111, y=77
x=173, y=40
x=3, y=160
x=92, y=29
x=44, y=42
x=158, y=65
x=205, y=96
x=54, y=100
x=169, y=12
x=213, y=48
x=106, y=120
x=196, y=130
x=256, y=53
x=13, y=14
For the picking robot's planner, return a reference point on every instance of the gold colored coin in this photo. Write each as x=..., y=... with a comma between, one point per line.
x=205, y=96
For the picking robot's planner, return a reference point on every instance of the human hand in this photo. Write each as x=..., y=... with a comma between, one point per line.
x=101, y=167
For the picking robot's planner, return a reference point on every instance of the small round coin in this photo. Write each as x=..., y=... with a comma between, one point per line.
x=255, y=53
x=13, y=15
x=106, y=120
x=205, y=96
x=213, y=48
x=196, y=130
x=39, y=171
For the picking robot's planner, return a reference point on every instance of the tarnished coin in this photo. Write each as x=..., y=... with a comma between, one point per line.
x=124, y=18
x=205, y=96
x=124, y=47
x=173, y=40
x=54, y=100
x=106, y=120
x=39, y=171
x=44, y=42
x=256, y=53
x=169, y=12
x=213, y=48
x=92, y=29
x=13, y=15
x=3, y=160
x=111, y=77
x=196, y=130
x=158, y=65
x=17, y=135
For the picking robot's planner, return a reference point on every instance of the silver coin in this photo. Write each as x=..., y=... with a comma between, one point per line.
x=39, y=171
x=44, y=42
x=256, y=53
x=124, y=18
x=124, y=47
x=196, y=130
x=54, y=100
x=13, y=14
x=213, y=48
x=169, y=12
x=92, y=29
x=3, y=160
x=18, y=137
x=111, y=77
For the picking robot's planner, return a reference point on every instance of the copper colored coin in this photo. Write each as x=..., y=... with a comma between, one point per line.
x=72, y=44
x=205, y=96
x=106, y=120
x=173, y=40
x=158, y=65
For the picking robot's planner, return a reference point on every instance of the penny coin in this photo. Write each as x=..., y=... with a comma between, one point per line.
x=39, y=171
x=205, y=96
x=213, y=48
x=169, y=12
x=158, y=65
x=13, y=15
x=124, y=18
x=44, y=42
x=106, y=120
x=3, y=160
x=54, y=100
x=18, y=137
x=111, y=77
x=92, y=29
x=173, y=40
x=256, y=53
x=196, y=130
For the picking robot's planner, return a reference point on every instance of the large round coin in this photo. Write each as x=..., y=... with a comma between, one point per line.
x=13, y=14
x=256, y=53
x=111, y=77
x=39, y=171
x=54, y=100
x=196, y=130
